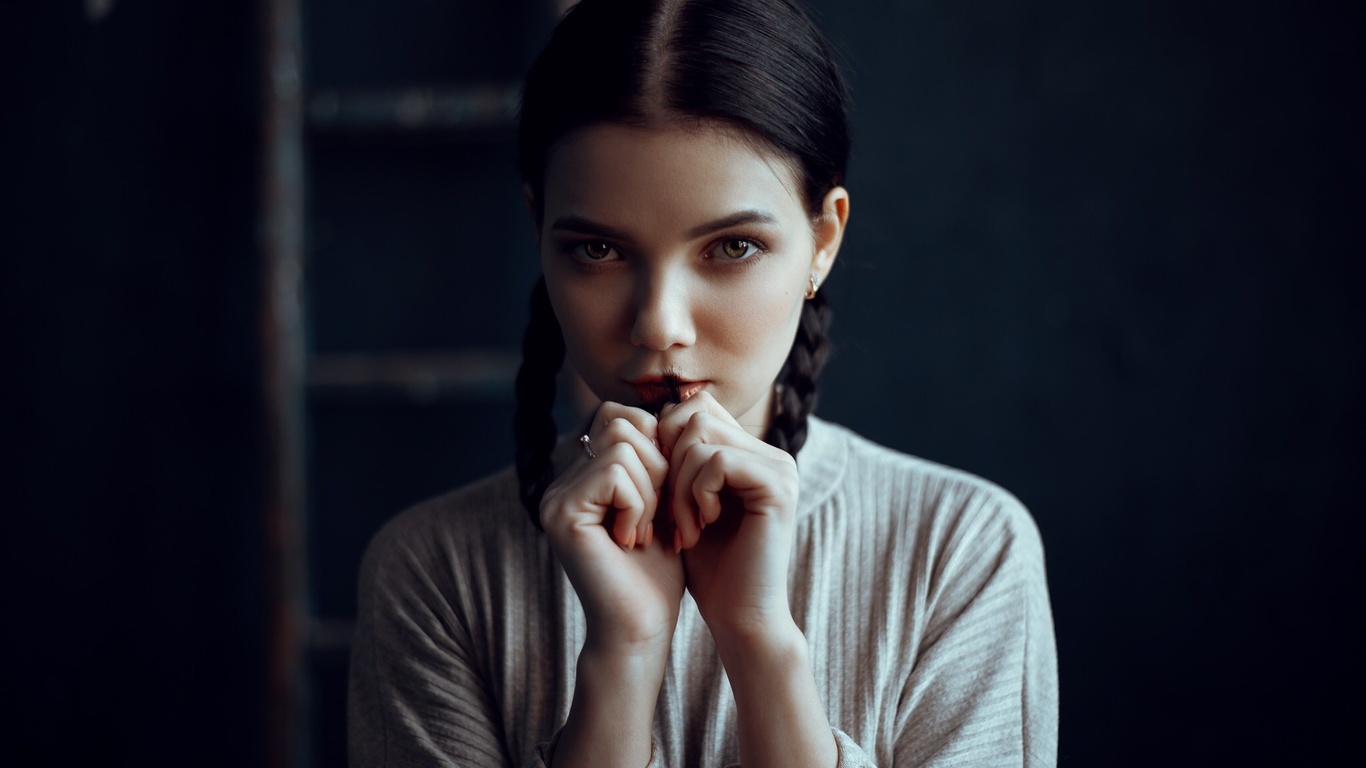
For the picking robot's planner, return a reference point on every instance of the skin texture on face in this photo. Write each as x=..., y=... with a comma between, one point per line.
x=679, y=252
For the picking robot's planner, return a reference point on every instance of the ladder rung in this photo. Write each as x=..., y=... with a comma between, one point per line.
x=425, y=110
x=423, y=377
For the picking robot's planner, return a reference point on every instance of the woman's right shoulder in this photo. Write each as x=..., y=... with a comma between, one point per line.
x=473, y=522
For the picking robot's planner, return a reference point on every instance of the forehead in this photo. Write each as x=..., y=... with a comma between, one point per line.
x=617, y=173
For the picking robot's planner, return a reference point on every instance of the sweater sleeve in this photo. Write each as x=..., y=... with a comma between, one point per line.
x=983, y=688
x=851, y=755
x=416, y=695
x=545, y=753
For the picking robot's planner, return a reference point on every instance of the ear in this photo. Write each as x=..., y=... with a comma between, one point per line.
x=829, y=231
x=529, y=200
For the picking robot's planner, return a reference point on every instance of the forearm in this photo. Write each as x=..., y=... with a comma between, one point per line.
x=612, y=715
x=781, y=719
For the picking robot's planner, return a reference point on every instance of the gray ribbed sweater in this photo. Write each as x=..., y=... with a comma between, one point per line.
x=920, y=590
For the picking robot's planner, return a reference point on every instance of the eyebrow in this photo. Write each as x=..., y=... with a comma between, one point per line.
x=589, y=227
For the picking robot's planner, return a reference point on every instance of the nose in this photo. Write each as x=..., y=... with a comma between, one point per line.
x=663, y=312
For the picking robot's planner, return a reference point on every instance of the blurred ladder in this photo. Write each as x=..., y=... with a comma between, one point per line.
x=396, y=264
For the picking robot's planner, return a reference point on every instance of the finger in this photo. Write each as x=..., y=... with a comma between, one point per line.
x=764, y=483
x=616, y=490
x=682, y=507
x=594, y=493
x=674, y=418
x=703, y=428
x=629, y=529
x=710, y=477
x=702, y=501
x=683, y=513
x=623, y=430
x=642, y=420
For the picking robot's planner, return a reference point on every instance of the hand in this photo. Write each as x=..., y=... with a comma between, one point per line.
x=733, y=500
x=599, y=517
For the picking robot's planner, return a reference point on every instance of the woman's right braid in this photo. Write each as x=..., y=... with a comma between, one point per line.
x=796, y=393
x=535, y=431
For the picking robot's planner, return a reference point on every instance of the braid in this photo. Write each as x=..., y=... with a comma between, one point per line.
x=535, y=431
x=796, y=394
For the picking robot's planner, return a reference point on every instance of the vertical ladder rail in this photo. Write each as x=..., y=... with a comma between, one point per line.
x=282, y=344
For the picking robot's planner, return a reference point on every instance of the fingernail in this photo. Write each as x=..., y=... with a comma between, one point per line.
x=631, y=539
x=678, y=542
x=701, y=522
x=649, y=534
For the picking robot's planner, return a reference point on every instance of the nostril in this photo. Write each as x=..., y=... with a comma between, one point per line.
x=663, y=314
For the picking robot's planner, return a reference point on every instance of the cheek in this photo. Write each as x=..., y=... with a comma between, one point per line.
x=589, y=317
x=581, y=320
x=759, y=325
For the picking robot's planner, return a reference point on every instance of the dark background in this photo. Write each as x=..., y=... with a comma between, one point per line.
x=1107, y=255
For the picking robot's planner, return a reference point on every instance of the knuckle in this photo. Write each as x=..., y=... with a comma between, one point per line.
x=706, y=426
x=551, y=498
x=619, y=454
x=654, y=460
x=618, y=428
x=721, y=460
x=607, y=413
x=617, y=473
x=658, y=473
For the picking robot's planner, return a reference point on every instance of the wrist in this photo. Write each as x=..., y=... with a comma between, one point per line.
x=779, y=713
x=625, y=658
x=757, y=648
x=757, y=635
x=611, y=717
x=616, y=643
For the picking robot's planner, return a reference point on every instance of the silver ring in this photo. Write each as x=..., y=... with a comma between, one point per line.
x=588, y=447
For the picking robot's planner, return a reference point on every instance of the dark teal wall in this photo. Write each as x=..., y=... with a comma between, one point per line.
x=1108, y=255
x=133, y=625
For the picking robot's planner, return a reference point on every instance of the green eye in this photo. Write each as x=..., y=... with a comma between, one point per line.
x=737, y=248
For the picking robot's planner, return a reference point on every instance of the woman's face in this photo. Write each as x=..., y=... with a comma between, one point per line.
x=686, y=254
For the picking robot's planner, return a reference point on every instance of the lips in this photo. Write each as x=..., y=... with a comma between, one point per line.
x=657, y=392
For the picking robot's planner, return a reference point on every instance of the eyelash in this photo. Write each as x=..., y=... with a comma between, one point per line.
x=756, y=246
x=578, y=251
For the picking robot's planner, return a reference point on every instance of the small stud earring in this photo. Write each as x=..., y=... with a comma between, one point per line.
x=815, y=286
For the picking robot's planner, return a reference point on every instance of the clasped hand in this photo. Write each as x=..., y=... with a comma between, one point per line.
x=686, y=500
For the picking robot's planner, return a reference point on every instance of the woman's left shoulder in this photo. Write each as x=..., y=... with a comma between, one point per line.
x=933, y=498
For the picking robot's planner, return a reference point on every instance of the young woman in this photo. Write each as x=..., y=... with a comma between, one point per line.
x=709, y=574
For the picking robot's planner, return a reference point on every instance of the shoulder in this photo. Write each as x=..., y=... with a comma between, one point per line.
x=455, y=533
x=951, y=565
x=939, y=507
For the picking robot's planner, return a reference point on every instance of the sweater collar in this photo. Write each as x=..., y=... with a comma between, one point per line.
x=820, y=464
